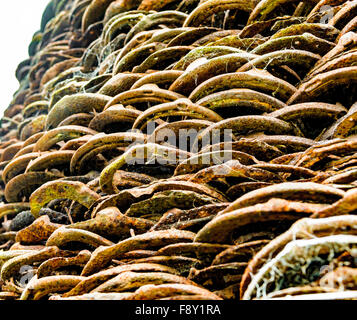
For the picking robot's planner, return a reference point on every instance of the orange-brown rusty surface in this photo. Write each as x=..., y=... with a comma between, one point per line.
x=181, y=149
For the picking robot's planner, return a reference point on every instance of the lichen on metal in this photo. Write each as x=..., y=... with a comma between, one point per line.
x=174, y=149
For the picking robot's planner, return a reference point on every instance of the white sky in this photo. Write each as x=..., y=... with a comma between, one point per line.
x=19, y=20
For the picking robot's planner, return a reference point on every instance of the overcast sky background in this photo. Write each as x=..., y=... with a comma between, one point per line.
x=19, y=20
